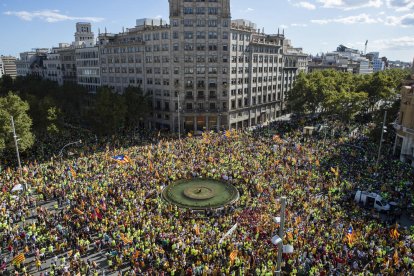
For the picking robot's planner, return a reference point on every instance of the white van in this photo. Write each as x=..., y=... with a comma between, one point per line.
x=372, y=200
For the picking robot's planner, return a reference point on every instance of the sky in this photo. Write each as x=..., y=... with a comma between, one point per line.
x=318, y=26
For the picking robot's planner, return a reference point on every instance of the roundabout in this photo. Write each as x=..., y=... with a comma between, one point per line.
x=200, y=194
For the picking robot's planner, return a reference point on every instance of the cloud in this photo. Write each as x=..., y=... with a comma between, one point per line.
x=351, y=4
x=401, y=5
x=247, y=10
x=50, y=16
x=354, y=19
x=406, y=20
x=305, y=5
x=399, y=43
x=298, y=25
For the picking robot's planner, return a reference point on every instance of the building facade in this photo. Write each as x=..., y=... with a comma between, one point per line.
x=1, y=68
x=404, y=125
x=8, y=66
x=31, y=62
x=203, y=70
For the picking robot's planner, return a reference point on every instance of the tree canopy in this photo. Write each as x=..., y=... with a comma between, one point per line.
x=342, y=94
x=12, y=105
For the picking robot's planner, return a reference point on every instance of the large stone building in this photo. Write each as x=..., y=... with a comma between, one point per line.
x=8, y=66
x=404, y=141
x=203, y=70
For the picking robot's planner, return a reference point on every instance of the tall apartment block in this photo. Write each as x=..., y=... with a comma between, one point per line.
x=203, y=70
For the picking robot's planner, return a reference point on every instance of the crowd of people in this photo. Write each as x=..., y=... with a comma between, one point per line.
x=94, y=214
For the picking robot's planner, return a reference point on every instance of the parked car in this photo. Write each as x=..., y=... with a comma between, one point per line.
x=372, y=200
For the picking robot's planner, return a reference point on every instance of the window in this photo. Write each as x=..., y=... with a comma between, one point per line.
x=200, y=10
x=188, y=22
x=188, y=10
x=212, y=10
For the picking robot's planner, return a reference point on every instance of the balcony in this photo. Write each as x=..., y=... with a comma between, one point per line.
x=404, y=129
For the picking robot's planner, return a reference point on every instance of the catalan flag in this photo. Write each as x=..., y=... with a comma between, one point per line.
x=72, y=172
x=125, y=239
x=396, y=258
x=394, y=233
x=18, y=259
x=233, y=255
x=197, y=229
x=122, y=159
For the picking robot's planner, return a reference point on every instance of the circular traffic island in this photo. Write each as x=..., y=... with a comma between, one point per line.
x=200, y=194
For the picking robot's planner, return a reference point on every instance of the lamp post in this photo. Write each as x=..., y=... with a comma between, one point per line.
x=67, y=145
x=278, y=239
x=382, y=137
x=17, y=146
x=178, y=117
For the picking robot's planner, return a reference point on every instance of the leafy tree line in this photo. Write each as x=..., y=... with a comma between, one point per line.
x=345, y=95
x=42, y=111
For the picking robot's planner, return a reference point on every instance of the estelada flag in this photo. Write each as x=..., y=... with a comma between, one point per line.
x=122, y=159
x=350, y=235
x=18, y=259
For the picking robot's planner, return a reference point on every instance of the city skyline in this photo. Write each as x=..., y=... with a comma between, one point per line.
x=318, y=26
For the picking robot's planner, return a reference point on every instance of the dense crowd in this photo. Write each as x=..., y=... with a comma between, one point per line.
x=93, y=205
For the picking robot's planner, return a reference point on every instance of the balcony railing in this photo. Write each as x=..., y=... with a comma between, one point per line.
x=403, y=128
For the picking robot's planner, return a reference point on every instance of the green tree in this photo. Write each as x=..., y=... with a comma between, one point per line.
x=108, y=112
x=138, y=106
x=12, y=105
x=6, y=85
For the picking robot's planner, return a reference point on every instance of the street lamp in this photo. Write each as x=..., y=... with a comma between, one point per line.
x=178, y=117
x=72, y=143
x=383, y=129
x=17, y=146
x=278, y=239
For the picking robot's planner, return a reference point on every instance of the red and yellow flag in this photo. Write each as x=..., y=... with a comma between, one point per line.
x=233, y=255
x=394, y=234
x=396, y=258
x=72, y=171
x=18, y=259
x=197, y=229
